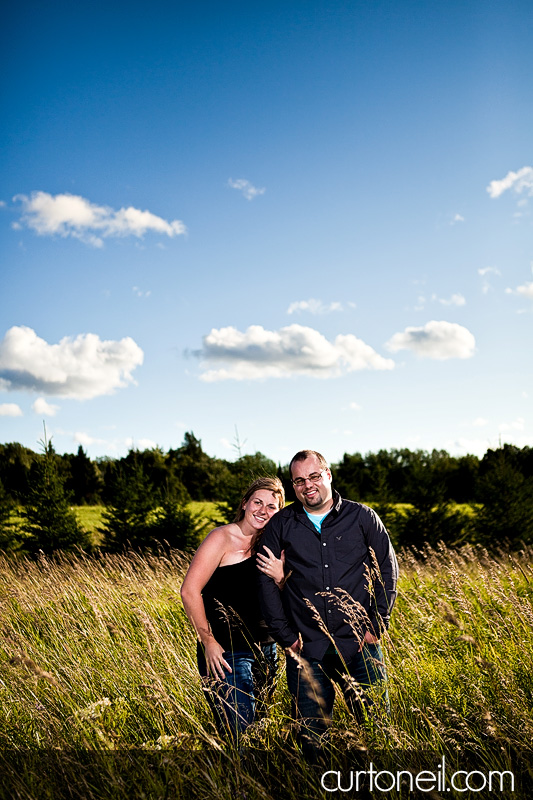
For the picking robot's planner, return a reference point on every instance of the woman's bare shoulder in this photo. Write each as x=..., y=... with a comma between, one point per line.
x=220, y=536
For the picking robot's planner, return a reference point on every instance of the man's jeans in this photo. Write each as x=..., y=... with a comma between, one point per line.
x=246, y=691
x=311, y=687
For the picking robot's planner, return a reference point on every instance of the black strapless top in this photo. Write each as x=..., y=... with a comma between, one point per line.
x=232, y=608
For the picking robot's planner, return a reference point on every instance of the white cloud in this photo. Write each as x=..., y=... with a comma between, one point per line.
x=248, y=189
x=457, y=218
x=489, y=271
x=454, y=300
x=473, y=446
x=523, y=291
x=517, y=425
x=81, y=367
x=293, y=350
x=70, y=215
x=85, y=440
x=43, y=408
x=480, y=422
x=437, y=339
x=313, y=306
x=141, y=444
x=526, y=290
x=139, y=292
x=355, y=406
x=517, y=181
x=10, y=410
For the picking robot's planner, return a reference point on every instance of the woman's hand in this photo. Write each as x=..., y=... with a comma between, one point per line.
x=369, y=638
x=272, y=566
x=217, y=666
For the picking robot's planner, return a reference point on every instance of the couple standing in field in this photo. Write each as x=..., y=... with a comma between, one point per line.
x=317, y=577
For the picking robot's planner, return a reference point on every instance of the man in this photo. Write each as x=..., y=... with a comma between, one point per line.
x=336, y=602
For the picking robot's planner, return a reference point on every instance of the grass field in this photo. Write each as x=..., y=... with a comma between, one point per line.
x=98, y=661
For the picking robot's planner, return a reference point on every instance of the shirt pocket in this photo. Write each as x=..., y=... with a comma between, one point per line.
x=349, y=548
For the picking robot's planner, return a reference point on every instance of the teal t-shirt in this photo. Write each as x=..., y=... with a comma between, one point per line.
x=317, y=519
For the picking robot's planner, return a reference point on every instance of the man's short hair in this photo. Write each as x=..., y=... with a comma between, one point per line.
x=303, y=455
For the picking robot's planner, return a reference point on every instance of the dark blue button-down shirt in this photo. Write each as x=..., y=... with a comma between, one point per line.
x=336, y=587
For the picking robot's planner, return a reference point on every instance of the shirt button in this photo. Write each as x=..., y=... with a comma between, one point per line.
x=329, y=611
x=326, y=565
x=327, y=588
x=323, y=544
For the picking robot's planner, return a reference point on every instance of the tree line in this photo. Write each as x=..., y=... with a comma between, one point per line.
x=146, y=494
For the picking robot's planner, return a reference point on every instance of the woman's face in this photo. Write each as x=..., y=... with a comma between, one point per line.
x=262, y=505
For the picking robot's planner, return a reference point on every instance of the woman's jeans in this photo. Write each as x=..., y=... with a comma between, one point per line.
x=313, y=693
x=246, y=691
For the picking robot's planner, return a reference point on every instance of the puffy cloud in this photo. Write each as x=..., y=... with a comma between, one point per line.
x=10, y=410
x=140, y=444
x=248, y=189
x=85, y=440
x=81, y=367
x=517, y=425
x=521, y=181
x=294, y=350
x=313, y=306
x=454, y=300
x=489, y=271
x=439, y=340
x=457, y=218
x=526, y=290
x=71, y=215
x=43, y=408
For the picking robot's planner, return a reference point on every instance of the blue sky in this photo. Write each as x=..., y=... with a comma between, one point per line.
x=310, y=221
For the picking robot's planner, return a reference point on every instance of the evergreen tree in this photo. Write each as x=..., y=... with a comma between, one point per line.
x=506, y=495
x=84, y=481
x=431, y=518
x=128, y=518
x=175, y=525
x=48, y=522
x=384, y=506
x=8, y=533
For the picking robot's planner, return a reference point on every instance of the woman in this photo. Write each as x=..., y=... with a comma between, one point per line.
x=220, y=597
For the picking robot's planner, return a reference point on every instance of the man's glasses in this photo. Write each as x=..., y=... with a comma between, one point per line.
x=314, y=477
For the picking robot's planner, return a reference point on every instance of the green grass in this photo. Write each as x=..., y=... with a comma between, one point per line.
x=91, y=517
x=98, y=657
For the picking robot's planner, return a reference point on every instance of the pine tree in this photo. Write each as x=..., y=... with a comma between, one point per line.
x=175, y=525
x=48, y=522
x=8, y=533
x=128, y=518
x=431, y=518
x=506, y=495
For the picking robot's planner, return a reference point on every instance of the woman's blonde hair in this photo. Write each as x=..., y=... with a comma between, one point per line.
x=273, y=485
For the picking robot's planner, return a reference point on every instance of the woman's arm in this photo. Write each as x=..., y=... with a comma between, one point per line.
x=272, y=566
x=206, y=560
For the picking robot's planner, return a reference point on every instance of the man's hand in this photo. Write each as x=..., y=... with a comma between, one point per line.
x=295, y=647
x=369, y=638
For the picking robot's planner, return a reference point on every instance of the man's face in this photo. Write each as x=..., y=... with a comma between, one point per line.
x=315, y=496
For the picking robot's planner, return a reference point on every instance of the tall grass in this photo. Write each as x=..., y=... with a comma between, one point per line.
x=98, y=657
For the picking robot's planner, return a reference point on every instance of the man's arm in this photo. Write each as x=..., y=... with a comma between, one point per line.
x=384, y=586
x=269, y=593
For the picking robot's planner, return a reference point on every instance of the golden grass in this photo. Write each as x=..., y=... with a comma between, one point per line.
x=96, y=653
